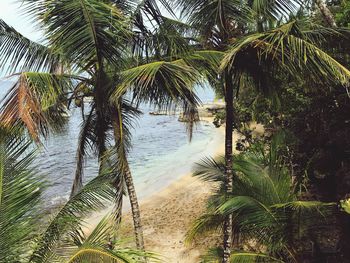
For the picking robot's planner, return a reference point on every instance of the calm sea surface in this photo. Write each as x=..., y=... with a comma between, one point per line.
x=161, y=151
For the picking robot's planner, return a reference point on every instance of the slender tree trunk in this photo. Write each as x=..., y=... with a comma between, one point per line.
x=326, y=13
x=227, y=243
x=78, y=180
x=135, y=209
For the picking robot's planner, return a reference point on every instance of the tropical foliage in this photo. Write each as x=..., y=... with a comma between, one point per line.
x=267, y=212
x=262, y=40
x=29, y=234
x=88, y=54
x=283, y=63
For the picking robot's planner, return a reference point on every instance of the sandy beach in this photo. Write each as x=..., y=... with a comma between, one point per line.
x=166, y=217
x=168, y=214
x=169, y=210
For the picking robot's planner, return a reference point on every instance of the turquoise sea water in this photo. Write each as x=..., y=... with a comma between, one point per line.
x=161, y=152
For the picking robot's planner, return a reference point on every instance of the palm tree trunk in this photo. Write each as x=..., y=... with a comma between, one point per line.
x=326, y=13
x=80, y=155
x=227, y=243
x=135, y=209
x=78, y=180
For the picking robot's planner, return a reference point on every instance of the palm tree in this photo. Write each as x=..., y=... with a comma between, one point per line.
x=83, y=45
x=218, y=23
x=231, y=27
x=88, y=55
x=264, y=204
x=28, y=235
x=326, y=13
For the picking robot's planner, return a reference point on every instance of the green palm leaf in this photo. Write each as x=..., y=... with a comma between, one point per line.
x=288, y=48
x=99, y=246
x=205, y=15
x=248, y=257
x=86, y=139
x=160, y=83
x=210, y=170
x=99, y=254
x=20, y=198
x=263, y=205
x=82, y=29
x=276, y=9
x=215, y=255
x=18, y=53
x=95, y=195
x=163, y=84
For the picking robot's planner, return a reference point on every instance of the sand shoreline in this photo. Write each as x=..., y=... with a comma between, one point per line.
x=169, y=213
x=166, y=217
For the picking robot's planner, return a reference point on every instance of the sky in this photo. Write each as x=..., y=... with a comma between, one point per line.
x=12, y=13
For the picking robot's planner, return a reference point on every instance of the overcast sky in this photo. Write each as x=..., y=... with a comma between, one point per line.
x=12, y=13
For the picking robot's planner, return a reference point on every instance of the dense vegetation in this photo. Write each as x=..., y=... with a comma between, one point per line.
x=283, y=64
x=314, y=114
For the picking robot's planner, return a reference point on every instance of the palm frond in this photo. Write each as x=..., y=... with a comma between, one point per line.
x=99, y=254
x=86, y=140
x=211, y=57
x=289, y=49
x=307, y=210
x=116, y=161
x=215, y=255
x=207, y=223
x=102, y=233
x=166, y=85
x=207, y=62
x=248, y=257
x=101, y=244
x=250, y=212
x=36, y=101
x=276, y=8
x=169, y=40
x=206, y=15
x=20, y=198
x=157, y=36
x=160, y=83
x=263, y=205
x=345, y=205
x=93, y=255
x=210, y=170
x=88, y=30
x=93, y=196
x=18, y=53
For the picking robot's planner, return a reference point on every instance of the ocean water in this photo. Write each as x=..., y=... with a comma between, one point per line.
x=161, y=151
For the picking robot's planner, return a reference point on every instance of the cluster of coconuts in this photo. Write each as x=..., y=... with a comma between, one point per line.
x=81, y=92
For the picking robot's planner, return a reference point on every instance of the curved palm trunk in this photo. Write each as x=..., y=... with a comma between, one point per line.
x=78, y=178
x=228, y=224
x=326, y=13
x=135, y=209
